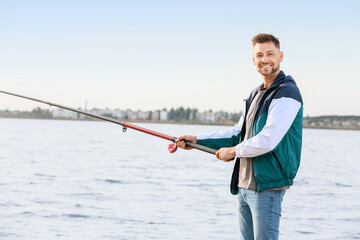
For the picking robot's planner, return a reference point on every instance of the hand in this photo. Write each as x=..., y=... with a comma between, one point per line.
x=226, y=154
x=180, y=141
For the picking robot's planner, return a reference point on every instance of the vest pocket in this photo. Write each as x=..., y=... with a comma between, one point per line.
x=279, y=163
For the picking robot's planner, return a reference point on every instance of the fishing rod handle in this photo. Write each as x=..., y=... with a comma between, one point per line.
x=200, y=147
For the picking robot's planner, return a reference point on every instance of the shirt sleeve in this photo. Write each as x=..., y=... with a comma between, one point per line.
x=219, y=139
x=281, y=115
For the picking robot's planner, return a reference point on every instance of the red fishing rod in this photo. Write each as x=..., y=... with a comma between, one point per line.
x=172, y=147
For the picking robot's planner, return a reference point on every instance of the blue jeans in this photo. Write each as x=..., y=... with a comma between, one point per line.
x=259, y=214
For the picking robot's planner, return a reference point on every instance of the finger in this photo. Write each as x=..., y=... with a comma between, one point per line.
x=178, y=142
x=217, y=154
x=228, y=160
x=183, y=145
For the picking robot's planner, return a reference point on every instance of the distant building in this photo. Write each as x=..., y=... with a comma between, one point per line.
x=119, y=114
x=207, y=116
x=63, y=113
x=131, y=115
x=101, y=111
x=164, y=116
x=143, y=115
x=155, y=116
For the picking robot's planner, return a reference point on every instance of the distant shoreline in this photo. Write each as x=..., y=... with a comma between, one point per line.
x=170, y=122
x=331, y=128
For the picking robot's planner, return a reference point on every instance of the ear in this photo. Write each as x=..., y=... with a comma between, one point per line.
x=253, y=59
x=281, y=56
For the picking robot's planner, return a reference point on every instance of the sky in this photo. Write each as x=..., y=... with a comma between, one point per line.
x=155, y=54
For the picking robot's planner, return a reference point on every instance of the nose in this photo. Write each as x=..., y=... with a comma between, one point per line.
x=264, y=58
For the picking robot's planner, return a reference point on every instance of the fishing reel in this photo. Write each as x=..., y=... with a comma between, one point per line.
x=172, y=147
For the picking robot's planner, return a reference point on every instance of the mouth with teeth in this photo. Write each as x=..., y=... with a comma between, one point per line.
x=265, y=66
x=267, y=69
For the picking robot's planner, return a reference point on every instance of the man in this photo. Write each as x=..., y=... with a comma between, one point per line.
x=266, y=143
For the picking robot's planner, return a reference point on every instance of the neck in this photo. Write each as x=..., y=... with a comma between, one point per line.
x=268, y=80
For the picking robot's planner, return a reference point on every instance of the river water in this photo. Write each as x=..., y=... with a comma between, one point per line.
x=89, y=180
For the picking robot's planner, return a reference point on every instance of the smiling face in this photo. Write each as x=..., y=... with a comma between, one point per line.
x=267, y=58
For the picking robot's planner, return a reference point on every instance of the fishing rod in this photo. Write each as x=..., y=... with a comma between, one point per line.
x=172, y=147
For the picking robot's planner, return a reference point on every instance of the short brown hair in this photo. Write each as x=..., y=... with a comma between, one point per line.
x=264, y=38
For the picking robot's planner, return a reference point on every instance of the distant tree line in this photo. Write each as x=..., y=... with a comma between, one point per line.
x=192, y=115
x=181, y=114
x=42, y=113
x=35, y=113
x=334, y=118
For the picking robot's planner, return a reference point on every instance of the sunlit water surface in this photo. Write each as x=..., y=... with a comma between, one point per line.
x=89, y=180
